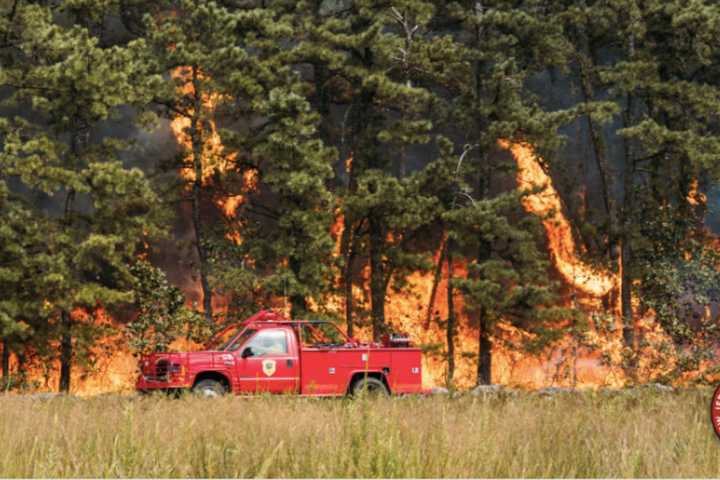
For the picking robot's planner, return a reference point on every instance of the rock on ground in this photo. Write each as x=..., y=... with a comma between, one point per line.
x=487, y=390
x=439, y=391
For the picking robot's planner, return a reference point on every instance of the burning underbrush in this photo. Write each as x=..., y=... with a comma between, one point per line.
x=591, y=356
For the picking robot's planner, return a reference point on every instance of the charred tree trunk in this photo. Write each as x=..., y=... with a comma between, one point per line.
x=6, y=363
x=197, y=190
x=628, y=320
x=298, y=306
x=298, y=302
x=586, y=65
x=484, y=370
x=347, y=247
x=323, y=103
x=377, y=274
x=321, y=74
x=79, y=139
x=20, y=368
x=348, y=251
x=606, y=177
x=451, y=320
x=367, y=122
x=587, y=62
x=437, y=275
x=66, y=351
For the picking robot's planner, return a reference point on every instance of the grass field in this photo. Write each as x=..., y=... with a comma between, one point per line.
x=568, y=435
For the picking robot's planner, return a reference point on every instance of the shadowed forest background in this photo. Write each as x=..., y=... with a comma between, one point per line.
x=526, y=188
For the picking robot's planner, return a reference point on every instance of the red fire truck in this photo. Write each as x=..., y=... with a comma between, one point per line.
x=269, y=353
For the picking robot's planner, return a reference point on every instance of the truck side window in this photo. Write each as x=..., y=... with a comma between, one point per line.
x=268, y=342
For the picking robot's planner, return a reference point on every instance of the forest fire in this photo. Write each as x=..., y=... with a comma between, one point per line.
x=408, y=311
x=109, y=366
x=547, y=205
x=214, y=155
x=522, y=202
x=421, y=309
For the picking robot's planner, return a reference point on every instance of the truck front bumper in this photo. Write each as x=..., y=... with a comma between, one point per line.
x=147, y=383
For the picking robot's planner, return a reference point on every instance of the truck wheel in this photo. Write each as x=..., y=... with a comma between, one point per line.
x=209, y=388
x=370, y=386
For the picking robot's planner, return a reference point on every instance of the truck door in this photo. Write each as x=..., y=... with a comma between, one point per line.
x=268, y=362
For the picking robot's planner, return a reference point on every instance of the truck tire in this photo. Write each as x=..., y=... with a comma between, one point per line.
x=209, y=388
x=370, y=386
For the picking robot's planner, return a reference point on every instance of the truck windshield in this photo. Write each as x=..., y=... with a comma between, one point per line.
x=240, y=341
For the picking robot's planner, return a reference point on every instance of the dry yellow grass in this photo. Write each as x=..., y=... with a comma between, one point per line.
x=593, y=434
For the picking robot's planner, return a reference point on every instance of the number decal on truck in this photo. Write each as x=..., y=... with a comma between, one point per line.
x=269, y=367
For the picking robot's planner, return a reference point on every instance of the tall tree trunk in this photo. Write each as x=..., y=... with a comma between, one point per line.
x=587, y=62
x=196, y=137
x=323, y=103
x=586, y=67
x=321, y=75
x=366, y=151
x=377, y=274
x=298, y=302
x=484, y=370
x=628, y=321
x=6, y=363
x=347, y=249
x=66, y=351
x=437, y=275
x=451, y=320
x=20, y=367
x=66, y=348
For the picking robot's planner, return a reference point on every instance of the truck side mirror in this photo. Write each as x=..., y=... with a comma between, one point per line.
x=247, y=352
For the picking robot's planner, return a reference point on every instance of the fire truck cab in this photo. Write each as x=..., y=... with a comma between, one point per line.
x=268, y=353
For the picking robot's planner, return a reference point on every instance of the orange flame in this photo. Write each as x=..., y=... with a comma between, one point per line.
x=406, y=311
x=547, y=205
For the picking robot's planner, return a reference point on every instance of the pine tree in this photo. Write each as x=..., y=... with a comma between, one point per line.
x=653, y=61
x=377, y=62
x=97, y=211
x=489, y=100
x=237, y=73
x=290, y=249
x=507, y=281
x=195, y=44
x=21, y=257
x=665, y=82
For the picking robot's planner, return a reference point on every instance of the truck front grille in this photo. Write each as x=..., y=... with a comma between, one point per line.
x=161, y=369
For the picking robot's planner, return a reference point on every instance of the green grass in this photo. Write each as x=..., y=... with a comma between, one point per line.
x=588, y=435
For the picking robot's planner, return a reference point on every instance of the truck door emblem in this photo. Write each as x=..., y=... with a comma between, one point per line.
x=269, y=367
x=228, y=359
